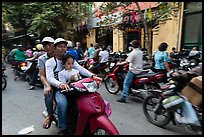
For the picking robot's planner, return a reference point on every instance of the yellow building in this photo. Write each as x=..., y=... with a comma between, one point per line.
x=181, y=31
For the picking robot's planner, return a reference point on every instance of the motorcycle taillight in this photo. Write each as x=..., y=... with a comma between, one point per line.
x=23, y=64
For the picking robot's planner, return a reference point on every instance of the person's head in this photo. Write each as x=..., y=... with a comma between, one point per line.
x=173, y=49
x=96, y=46
x=69, y=44
x=39, y=47
x=78, y=44
x=194, y=48
x=68, y=62
x=48, y=45
x=91, y=45
x=20, y=47
x=103, y=47
x=163, y=46
x=135, y=44
x=60, y=47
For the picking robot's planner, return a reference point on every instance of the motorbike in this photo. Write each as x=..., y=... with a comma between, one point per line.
x=4, y=81
x=88, y=112
x=29, y=69
x=18, y=68
x=166, y=105
x=145, y=81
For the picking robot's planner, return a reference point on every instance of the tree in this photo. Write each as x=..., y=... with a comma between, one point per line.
x=46, y=18
x=60, y=16
x=19, y=15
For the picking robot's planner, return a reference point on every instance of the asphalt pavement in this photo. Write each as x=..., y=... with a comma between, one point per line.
x=22, y=108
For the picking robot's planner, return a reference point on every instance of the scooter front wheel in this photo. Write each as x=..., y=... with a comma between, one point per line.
x=4, y=83
x=101, y=132
x=154, y=112
x=111, y=85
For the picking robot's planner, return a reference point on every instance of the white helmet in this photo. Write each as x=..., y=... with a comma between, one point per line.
x=70, y=44
x=48, y=39
x=58, y=40
x=39, y=47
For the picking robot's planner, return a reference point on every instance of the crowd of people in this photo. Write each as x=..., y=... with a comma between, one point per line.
x=58, y=66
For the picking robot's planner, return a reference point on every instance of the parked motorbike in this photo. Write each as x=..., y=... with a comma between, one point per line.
x=4, y=81
x=141, y=83
x=164, y=105
x=101, y=71
x=88, y=113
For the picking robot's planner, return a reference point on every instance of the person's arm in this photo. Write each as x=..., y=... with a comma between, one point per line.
x=82, y=70
x=33, y=58
x=13, y=53
x=122, y=63
x=49, y=66
x=166, y=64
x=129, y=59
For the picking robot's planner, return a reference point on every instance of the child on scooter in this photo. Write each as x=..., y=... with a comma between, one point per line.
x=68, y=74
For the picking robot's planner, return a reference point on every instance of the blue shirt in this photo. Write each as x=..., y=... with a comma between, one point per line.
x=73, y=53
x=160, y=57
x=79, y=52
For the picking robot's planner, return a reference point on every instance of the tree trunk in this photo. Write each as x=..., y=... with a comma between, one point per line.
x=147, y=41
x=65, y=31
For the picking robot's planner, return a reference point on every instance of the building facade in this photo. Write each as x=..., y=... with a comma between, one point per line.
x=181, y=31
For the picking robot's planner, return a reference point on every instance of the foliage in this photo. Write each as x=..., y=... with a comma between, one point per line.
x=42, y=18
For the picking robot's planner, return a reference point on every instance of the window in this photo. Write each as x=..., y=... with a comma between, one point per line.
x=192, y=25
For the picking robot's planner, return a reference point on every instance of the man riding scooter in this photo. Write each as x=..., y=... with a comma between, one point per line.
x=53, y=66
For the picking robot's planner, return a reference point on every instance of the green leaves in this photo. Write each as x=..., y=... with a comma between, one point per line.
x=43, y=16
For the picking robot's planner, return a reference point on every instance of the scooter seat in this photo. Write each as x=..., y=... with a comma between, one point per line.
x=146, y=75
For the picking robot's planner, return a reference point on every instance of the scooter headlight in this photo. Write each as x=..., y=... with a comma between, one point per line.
x=91, y=87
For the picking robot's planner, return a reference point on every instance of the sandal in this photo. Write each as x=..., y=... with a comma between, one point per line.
x=47, y=122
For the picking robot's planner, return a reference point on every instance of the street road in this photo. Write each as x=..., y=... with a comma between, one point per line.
x=23, y=108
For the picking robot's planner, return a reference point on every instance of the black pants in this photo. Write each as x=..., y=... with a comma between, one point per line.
x=34, y=77
x=17, y=68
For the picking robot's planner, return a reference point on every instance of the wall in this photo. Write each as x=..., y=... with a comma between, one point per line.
x=118, y=40
x=91, y=37
x=167, y=32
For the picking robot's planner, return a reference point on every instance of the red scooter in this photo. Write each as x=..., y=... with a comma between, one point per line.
x=141, y=83
x=88, y=113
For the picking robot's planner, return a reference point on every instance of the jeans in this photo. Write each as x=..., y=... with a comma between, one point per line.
x=62, y=105
x=126, y=85
x=49, y=103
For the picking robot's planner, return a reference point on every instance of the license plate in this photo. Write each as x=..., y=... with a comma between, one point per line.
x=107, y=69
x=112, y=64
x=23, y=68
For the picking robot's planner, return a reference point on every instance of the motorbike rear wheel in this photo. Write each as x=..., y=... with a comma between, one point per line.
x=111, y=85
x=157, y=116
x=4, y=83
x=101, y=132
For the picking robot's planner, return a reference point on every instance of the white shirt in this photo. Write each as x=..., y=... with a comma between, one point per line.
x=193, y=52
x=135, y=61
x=104, y=56
x=50, y=65
x=65, y=75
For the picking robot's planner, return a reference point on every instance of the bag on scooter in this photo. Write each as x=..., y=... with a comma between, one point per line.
x=173, y=103
x=187, y=114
